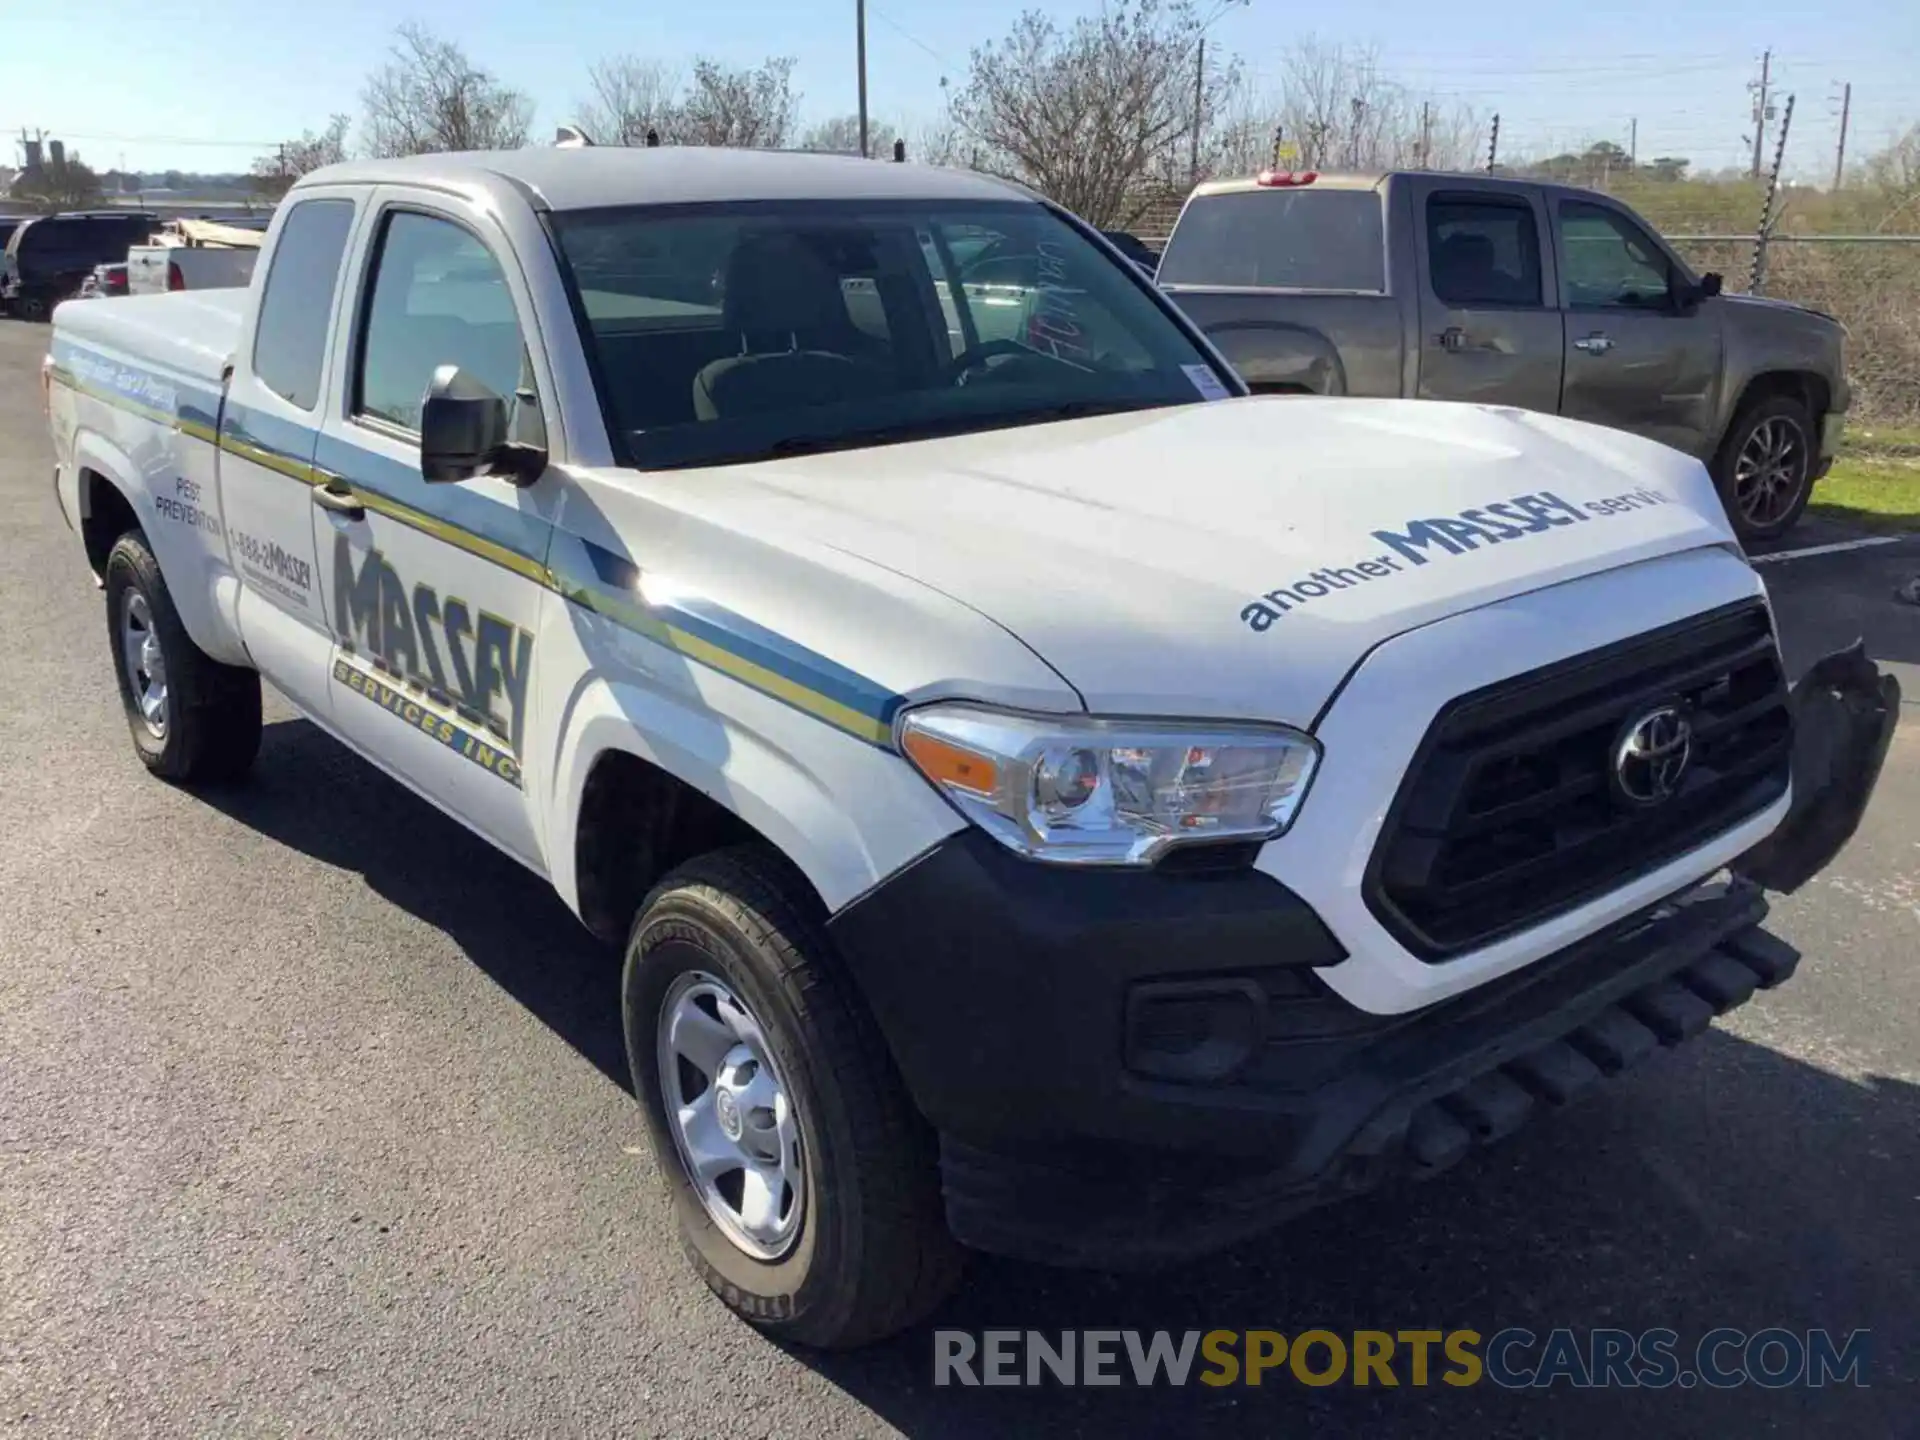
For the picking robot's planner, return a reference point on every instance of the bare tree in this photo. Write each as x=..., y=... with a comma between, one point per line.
x=1095, y=115
x=631, y=95
x=752, y=109
x=943, y=142
x=1897, y=168
x=273, y=174
x=1895, y=174
x=841, y=134
x=1336, y=110
x=431, y=97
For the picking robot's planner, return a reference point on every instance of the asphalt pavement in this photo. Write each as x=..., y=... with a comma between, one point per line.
x=313, y=1120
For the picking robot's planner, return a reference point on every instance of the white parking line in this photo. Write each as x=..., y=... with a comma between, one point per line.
x=1834, y=549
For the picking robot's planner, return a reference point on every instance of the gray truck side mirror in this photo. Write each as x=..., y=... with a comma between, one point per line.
x=463, y=433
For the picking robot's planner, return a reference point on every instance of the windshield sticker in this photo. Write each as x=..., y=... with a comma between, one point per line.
x=1421, y=542
x=1207, y=383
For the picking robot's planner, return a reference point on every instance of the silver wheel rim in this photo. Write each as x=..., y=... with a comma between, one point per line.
x=145, y=663
x=732, y=1116
x=1770, y=469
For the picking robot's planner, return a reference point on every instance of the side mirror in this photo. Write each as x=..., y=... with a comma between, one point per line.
x=463, y=433
x=1688, y=295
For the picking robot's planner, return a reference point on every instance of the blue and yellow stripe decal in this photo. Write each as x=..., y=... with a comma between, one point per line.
x=586, y=574
x=732, y=644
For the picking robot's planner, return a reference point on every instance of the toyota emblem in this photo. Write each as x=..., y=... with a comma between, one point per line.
x=1652, y=755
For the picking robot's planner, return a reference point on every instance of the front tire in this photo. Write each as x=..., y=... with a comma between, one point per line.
x=192, y=718
x=804, y=1184
x=1764, y=469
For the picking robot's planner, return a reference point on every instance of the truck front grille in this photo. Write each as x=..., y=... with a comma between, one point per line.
x=1513, y=810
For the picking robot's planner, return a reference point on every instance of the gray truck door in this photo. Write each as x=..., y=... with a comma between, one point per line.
x=1490, y=324
x=1635, y=360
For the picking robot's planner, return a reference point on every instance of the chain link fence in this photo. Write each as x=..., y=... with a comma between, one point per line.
x=1870, y=283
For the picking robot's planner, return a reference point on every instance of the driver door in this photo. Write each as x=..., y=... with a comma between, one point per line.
x=433, y=591
x=1634, y=360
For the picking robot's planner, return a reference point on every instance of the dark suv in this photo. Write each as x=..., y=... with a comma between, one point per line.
x=50, y=256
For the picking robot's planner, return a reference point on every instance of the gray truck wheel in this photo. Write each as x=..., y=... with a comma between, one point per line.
x=191, y=717
x=1764, y=470
x=804, y=1184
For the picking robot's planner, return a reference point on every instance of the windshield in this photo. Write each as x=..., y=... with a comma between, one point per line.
x=729, y=332
x=1281, y=239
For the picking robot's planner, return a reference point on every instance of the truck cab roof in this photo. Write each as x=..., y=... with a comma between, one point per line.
x=589, y=178
x=1368, y=180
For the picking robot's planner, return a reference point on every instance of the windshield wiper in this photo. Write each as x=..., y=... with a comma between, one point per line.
x=793, y=445
x=953, y=425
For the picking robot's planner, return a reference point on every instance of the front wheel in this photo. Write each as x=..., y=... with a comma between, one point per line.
x=804, y=1184
x=1764, y=470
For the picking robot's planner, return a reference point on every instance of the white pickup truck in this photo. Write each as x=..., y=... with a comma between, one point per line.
x=195, y=255
x=1049, y=798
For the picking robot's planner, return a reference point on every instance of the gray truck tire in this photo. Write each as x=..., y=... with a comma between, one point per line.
x=1764, y=468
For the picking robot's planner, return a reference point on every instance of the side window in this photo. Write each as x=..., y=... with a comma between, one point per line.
x=439, y=298
x=290, y=340
x=1610, y=261
x=1483, y=250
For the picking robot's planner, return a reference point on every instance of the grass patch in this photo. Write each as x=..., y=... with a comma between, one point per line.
x=1871, y=488
x=1881, y=441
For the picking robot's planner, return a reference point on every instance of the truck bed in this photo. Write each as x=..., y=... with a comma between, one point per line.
x=191, y=334
x=1313, y=341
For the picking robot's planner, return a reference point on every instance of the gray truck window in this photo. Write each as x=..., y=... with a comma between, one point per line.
x=1483, y=250
x=439, y=298
x=1301, y=239
x=1609, y=261
x=290, y=341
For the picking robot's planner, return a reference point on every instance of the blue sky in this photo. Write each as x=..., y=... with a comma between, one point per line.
x=212, y=88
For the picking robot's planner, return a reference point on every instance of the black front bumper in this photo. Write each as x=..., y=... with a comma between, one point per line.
x=1131, y=1069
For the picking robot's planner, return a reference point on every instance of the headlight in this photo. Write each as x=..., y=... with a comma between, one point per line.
x=1079, y=791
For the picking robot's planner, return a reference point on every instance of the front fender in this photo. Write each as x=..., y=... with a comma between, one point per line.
x=1844, y=714
x=845, y=812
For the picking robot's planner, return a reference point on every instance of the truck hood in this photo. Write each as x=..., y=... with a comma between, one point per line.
x=1239, y=558
x=1764, y=304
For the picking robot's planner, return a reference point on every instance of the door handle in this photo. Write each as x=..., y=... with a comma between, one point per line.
x=336, y=496
x=1452, y=338
x=1598, y=343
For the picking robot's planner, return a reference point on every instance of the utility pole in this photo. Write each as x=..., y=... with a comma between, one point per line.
x=1426, y=134
x=1760, y=108
x=1633, y=143
x=1493, y=143
x=860, y=49
x=1199, y=104
x=1840, y=151
x=1353, y=142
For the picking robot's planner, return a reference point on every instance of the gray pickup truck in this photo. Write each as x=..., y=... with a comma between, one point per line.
x=1512, y=292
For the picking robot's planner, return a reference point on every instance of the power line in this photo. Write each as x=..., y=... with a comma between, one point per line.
x=907, y=35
